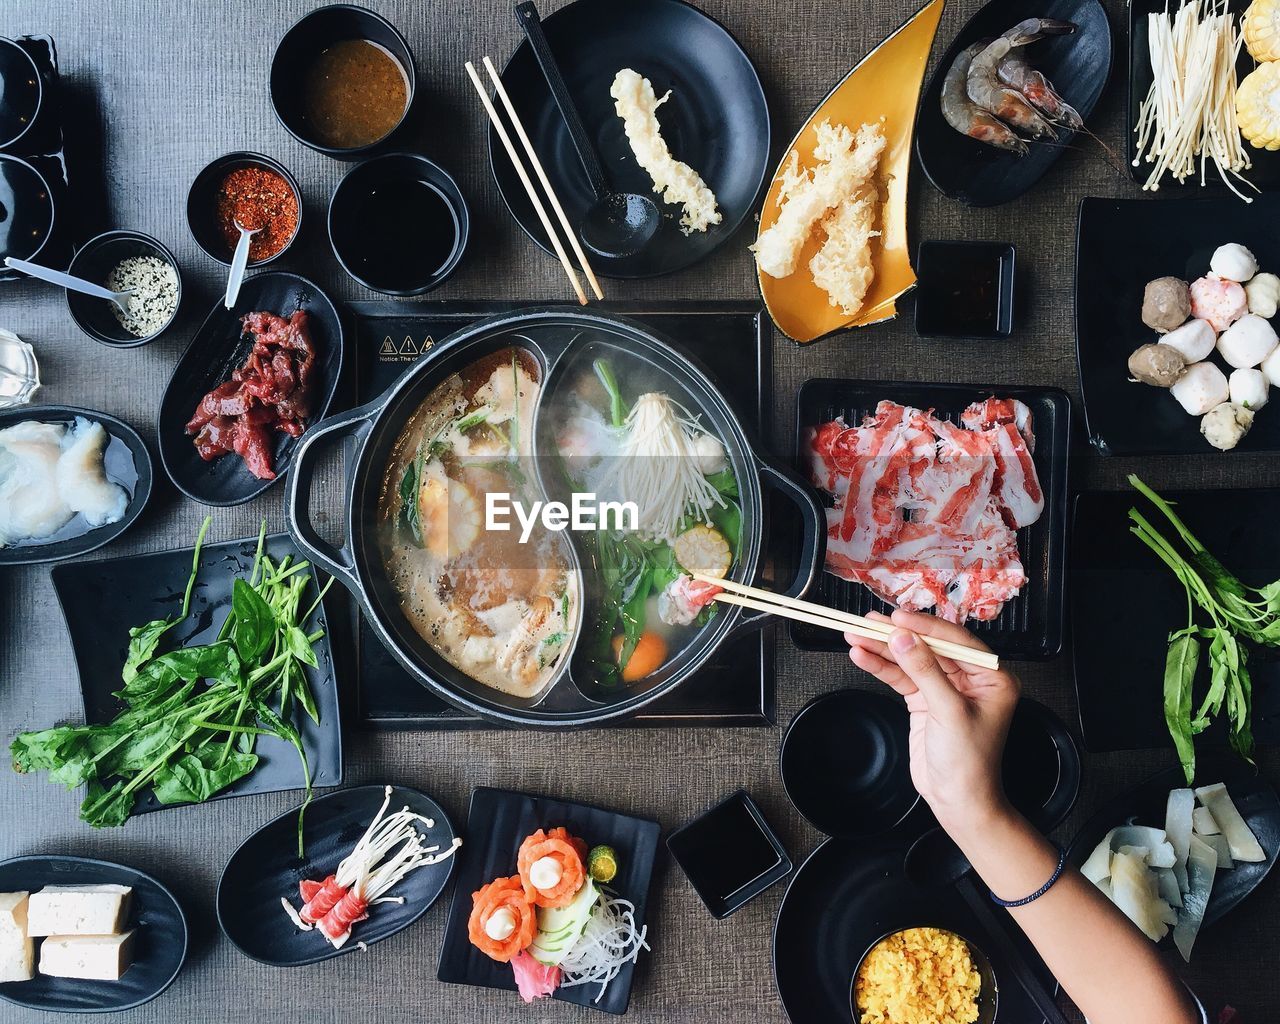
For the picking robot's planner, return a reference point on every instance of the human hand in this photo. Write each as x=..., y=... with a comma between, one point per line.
x=960, y=715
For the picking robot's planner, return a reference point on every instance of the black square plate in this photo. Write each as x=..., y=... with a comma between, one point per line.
x=1030, y=626
x=1121, y=244
x=1119, y=658
x=102, y=600
x=497, y=823
x=1266, y=165
x=719, y=839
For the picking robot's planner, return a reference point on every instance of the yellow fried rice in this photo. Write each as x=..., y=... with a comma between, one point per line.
x=918, y=976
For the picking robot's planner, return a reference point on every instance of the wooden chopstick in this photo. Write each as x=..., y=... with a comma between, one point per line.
x=528, y=185
x=819, y=615
x=542, y=177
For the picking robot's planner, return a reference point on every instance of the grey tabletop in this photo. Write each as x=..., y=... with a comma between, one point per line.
x=170, y=86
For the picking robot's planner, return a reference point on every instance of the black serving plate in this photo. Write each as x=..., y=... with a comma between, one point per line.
x=497, y=823
x=1255, y=798
x=1030, y=627
x=730, y=854
x=127, y=462
x=266, y=867
x=845, y=764
x=102, y=600
x=160, y=946
x=850, y=894
x=217, y=349
x=716, y=121
x=1078, y=65
x=1121, y=244
x=1119, y=660
x=1266, y=165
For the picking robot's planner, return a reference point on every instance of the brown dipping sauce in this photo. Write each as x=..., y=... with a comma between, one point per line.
x=354, y=94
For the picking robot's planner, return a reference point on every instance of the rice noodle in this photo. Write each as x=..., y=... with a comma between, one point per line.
x=609, y=941
x=657, y=466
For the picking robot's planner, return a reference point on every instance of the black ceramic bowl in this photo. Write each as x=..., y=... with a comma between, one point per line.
x=94, y=262
x=845, y=764
x=202, y=204
x=22, y=90
x=26, y=210
x=361, y=239
x=988, y=995
x=309, y=37
x=964, y=289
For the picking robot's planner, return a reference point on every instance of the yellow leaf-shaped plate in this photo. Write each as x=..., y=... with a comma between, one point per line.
x=885, y=84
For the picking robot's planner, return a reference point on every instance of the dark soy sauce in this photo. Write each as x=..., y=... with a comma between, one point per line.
x=403, y=232
x=725, y=850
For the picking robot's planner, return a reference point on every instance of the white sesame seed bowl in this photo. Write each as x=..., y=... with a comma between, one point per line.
x=123, y=260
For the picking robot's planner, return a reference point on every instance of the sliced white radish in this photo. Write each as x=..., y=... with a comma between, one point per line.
x=1240, y=839
x=1202, y=865
x=1203, y=823
x=1177, y=827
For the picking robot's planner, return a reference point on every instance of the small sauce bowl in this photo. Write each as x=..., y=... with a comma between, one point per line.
x=27, y=211
x=22, y=87
x=202, y=205
x=367, y=243
x=305, y=41
x=94, y=261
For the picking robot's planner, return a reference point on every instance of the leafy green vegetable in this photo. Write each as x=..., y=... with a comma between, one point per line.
x=186, y=729
x=617, y=406
x=409, y=486
x=1235, y=612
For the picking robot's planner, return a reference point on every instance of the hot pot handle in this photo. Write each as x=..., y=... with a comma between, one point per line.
x=813, y=539
x=338, y=562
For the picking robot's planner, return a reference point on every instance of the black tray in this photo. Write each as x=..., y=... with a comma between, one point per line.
x=43, y=147
x=497, y=823
x=1266, y=165
x=1030, y=627
x=101, y=600
x=736, y=687
x=1118, y=660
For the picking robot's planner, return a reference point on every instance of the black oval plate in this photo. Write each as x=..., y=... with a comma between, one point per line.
x=851, y=893
x=1255, y=798
x=214, y=352
x=266, y=867
x=1078, y=65
x=128, y=463
x=160, y=945
x=717, y=120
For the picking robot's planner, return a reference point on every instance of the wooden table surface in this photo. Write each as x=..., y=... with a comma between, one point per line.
x=163, y=88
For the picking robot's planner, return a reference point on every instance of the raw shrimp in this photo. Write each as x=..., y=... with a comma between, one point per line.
x=1219, y=303
x=1015, y=72
x=967, y=117
x=984, y=86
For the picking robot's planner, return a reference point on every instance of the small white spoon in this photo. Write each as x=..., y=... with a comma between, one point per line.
x=75, y=284
x=238, y=264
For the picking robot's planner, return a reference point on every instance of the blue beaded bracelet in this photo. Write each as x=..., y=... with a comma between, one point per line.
x=1057, y=873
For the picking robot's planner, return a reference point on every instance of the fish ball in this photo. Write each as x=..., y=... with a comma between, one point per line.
x=1249, y=388
x=1194, y=340
x=1248, y=341
x=1233, y=262
x=1166, y=303
x=1157, y=365
x=1220, y=302
x=1263, y=293
x=1200, y=388
x=1225, y=425
x=1271, y=367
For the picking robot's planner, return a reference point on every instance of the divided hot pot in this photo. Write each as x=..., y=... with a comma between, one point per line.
x=561, y=350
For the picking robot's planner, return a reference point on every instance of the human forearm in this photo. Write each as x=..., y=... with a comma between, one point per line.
x=1111, y=970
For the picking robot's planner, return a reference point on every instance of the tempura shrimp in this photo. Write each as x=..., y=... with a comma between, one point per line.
x=967, y=117
x=987, y=91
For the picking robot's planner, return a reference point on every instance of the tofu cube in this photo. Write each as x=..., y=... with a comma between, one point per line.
x=78, y=910
x=17, y=955
x=87, y=957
